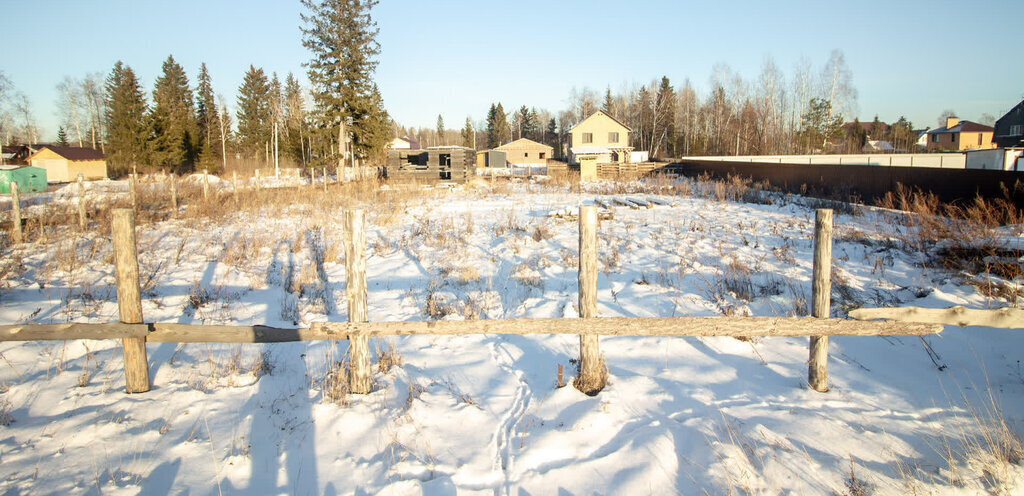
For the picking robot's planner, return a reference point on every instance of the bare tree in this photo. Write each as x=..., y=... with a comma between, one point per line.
x=945, y=115
x=91, y=87
x=23, y=109
x=837, y=85
x=69, y=103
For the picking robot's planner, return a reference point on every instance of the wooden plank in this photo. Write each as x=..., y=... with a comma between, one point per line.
x=1003, y=318
x=641, y=202
x=166, y=332
x=72, y=330
x=821, y=299
x=129, y=298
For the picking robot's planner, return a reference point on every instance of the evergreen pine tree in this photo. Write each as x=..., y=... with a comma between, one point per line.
x=125, y=116
x=208, y=122
x=254, y=116
x=342, y=38
x=175, y=133
x=609, y=103
x=296, y=130
x=551, y=133
x=440, y=131
x=467, y=134
x=376, y=128
x=62, y=136
x=497, y=127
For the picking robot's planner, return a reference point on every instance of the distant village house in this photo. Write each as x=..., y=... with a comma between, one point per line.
x=958, y=135
x=64, y=163
x=1009, y=129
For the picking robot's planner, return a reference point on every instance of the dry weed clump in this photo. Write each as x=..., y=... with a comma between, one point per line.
x=387, y=357
x=970, y=237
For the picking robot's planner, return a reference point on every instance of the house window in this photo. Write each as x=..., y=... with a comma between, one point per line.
x=935, y=138
x=979, y=139
x=1016, y=129
x=588, y=138
x=543, y=155
x=526, y=154
x=613, y=137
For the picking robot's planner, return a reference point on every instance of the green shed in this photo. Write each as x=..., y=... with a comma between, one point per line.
x=28, y=178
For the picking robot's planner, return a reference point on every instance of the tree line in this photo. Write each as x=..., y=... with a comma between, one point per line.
x=180, y=126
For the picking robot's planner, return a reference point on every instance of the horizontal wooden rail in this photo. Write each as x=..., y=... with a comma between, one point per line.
x=160, y=332
x=1006, y=318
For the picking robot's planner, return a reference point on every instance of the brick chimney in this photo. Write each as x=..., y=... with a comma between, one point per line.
x=952, y=121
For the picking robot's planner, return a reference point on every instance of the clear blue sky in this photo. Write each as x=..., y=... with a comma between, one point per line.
x=457, y=57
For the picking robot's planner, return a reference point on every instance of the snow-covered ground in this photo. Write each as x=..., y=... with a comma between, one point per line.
x=483, y=413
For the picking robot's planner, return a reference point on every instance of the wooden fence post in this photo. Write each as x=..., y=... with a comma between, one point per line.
x=81, y=202
x=206, y=184
x=132, y=192
x=16, y=212
x=257, y=180
x=355, y=293
x=174, y=196
x=821, y=288
x=592, y=376
x=325, y=179
x=129, y=299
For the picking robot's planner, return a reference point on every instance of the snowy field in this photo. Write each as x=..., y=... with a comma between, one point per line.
x=482, y=414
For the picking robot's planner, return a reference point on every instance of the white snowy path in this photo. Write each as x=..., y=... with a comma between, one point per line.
x=481, y=413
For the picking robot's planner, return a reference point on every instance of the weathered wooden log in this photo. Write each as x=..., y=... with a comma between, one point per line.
x=206, y=184
x=132, y=191
x=821, y=288
x=81, y=202
x=355, y=293
x=174, y=196
x=161, y=332
x=16, y=213
x=592, y=376
x=1004, y=318
x=129, y=299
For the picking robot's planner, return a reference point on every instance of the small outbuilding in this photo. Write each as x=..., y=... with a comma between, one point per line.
x=526, y=153
x=28, y=179
x=64, y=163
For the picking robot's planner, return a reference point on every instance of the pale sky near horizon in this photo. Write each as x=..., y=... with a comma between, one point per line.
x=456, y=58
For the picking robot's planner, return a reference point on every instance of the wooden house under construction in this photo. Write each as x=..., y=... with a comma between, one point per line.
x=438, y=163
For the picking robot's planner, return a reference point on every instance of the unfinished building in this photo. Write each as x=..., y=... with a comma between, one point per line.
x=438, y=163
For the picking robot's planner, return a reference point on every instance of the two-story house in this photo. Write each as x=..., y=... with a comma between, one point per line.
x=1009, y=129
x=960, y=135
x=599, y=138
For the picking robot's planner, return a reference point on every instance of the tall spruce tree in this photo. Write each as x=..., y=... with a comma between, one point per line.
x=468, y=134
x=497, y=126
x=125, y=116
x=62, y=136
x=175, y=133
x=254, y=114
x=208, y=122
x=295, y=128
x=440, y=131
x=341, y=36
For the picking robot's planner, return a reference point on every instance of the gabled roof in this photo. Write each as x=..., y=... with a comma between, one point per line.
x=963, y=127
x=74, y=152
x=413, y=143
x=522, y=143
x=606, y=114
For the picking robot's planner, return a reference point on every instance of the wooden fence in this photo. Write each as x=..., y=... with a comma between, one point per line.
x=135, y=333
